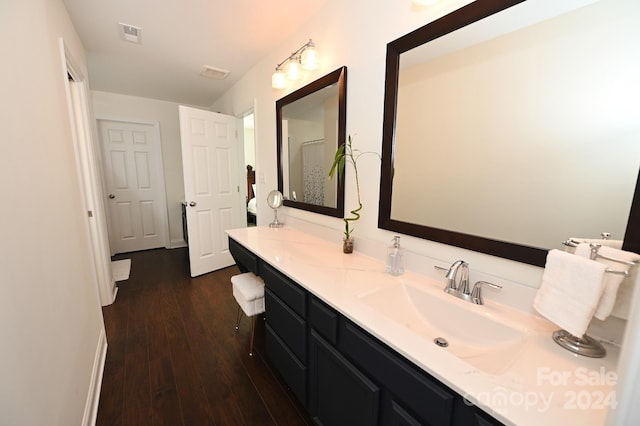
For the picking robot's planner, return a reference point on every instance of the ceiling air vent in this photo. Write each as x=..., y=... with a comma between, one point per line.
x=213, y=72
x=130, y=33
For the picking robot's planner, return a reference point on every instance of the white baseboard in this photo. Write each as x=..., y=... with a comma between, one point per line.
x=112, y=294
x=93, y=396
x=179, y=243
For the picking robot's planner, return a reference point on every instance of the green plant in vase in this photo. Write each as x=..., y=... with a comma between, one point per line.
x=347, y=154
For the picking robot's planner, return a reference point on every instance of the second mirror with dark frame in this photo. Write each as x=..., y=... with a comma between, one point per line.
x=499, y=138
x=310, y=126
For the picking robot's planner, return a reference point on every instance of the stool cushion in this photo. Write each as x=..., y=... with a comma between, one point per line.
x=248, y=290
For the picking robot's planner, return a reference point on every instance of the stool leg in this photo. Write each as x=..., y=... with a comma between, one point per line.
x=253, y=329
x=238, y=317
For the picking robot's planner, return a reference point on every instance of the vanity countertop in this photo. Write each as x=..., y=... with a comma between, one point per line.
x=541, y=384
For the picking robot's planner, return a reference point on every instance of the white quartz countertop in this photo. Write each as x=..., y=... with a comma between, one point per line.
x=541, y=383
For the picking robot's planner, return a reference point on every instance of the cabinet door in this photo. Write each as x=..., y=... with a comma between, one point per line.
x=339, y=393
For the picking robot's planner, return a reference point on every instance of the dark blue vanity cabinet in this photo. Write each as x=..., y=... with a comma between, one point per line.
x=342, y=374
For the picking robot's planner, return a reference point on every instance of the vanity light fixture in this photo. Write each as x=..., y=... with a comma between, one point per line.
x=305, y=57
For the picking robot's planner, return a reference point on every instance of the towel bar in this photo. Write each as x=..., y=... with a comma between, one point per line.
x=574, y=243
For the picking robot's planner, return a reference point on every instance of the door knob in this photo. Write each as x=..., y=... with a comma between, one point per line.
x=111, y=196
x=192, y=204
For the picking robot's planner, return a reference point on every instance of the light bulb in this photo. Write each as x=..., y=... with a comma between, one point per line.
x=293, y=70
x=277, y=79
x=309, y=58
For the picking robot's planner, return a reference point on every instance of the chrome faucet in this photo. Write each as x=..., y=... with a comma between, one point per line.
x=460, y=287
x=452, y=274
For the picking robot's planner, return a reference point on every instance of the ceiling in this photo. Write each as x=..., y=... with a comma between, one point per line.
x=178, y=38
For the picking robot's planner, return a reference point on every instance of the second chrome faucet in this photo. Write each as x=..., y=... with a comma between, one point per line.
x=459, y=286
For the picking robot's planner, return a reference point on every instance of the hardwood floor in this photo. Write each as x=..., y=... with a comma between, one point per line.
x=175, y=358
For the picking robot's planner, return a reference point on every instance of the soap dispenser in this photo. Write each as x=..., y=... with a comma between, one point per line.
x=395, y=258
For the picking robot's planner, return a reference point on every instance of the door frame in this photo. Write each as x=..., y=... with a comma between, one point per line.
x=242, y=165
x=163, y=192
x=241, y=158
x=88, y=172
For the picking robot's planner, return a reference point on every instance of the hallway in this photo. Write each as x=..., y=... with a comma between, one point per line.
x=175, y=358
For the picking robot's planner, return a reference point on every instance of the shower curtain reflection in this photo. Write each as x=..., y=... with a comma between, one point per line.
x=312, y=171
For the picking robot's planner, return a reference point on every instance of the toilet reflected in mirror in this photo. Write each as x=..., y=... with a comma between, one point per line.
x=274, y=199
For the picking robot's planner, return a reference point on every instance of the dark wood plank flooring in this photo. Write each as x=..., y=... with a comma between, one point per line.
x=175, y=358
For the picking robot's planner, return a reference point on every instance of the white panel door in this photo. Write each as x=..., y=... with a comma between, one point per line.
x=211, y=187
x=135, y=186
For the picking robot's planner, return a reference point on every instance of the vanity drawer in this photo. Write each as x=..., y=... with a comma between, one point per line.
x=324, y=320
x=423, y=395
x=288, y=291
x=287, y=324
x=290, y=368
x=243, y=257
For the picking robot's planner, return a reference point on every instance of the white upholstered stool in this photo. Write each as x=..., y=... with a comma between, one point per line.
x=248, y=290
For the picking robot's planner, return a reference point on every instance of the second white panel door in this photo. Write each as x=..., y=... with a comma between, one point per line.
x=134, y=180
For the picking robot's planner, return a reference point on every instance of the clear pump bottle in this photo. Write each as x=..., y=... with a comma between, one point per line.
x=395, y=258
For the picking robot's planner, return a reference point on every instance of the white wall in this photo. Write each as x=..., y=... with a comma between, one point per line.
x=50, y=316
x=132, y=108
x=343, y=36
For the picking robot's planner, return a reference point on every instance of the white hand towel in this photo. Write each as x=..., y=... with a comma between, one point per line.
x=611, y=281
x=570, y=290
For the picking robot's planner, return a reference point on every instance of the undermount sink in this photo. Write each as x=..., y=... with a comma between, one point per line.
x=475, y=334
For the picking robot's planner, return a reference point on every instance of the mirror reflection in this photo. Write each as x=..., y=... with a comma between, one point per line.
x=309, y=131
x=522, y=139
x=310, y=128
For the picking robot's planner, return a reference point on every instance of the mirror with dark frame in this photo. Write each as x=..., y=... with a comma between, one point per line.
x=502, y=142
x=310, y=126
